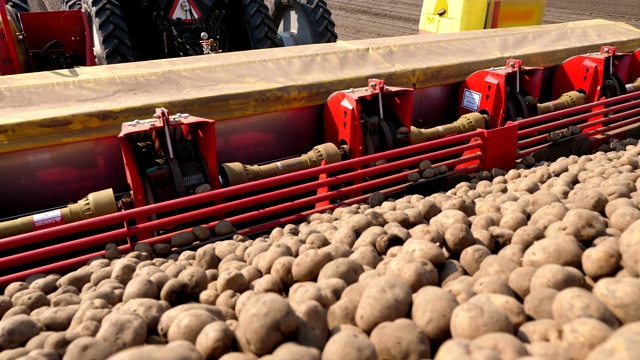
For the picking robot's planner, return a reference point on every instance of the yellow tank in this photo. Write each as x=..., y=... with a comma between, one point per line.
x=441, y=16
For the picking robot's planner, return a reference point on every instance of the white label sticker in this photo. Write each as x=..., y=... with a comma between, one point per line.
x=471, y=100
x=346, y=104
x=48, y=219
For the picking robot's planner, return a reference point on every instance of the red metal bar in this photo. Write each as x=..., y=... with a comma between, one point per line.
x=278, y=194
x=100, y=222
x=302, y=216
x=605, y=120
x=89, y=54
x=586, y=107
x=589, y=134
x=78, y=262
x=165, y=238
x=571, y=120
x=107, y=237
x=58, y=267
x=335, y=194
x=615, y=126
x=613, y=118
x=15, y=62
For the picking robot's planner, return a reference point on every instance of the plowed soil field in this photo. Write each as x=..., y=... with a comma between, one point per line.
x=364, y=19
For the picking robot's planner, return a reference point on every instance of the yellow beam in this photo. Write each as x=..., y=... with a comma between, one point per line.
x=63, y=106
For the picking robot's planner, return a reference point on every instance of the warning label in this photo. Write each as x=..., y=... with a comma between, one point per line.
x=47, y=219
x=185, y=10
x=471, y=100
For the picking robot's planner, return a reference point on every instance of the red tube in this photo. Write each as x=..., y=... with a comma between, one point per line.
x=615, y=126
x=605, y=120
x=591, y=133
x=165, y=238
x=572, y=120
x=577, y=109
x=59, y=267
x=302, y=216
x=107, y=237
x=102, y=221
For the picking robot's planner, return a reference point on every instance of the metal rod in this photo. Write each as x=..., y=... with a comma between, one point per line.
x=567, y=122
x=167, y=136
x=571, y=120
x=591, y=133
x=165, y=238
x=104, y=238
x=577, y=109
x=211, y=196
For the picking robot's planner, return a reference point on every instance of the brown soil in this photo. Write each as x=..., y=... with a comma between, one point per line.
x=362, y=19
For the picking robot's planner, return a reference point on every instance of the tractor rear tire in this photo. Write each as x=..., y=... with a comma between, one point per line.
x=314, y=13
x=260, y=27
x=19, y=6
x=111, y=41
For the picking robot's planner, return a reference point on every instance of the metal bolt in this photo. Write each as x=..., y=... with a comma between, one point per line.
x=512, y=64
x=606, y=50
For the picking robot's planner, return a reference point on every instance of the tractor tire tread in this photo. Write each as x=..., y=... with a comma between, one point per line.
x=110, y=23
x=261, y=28
x=324, y=28
x=318, y=15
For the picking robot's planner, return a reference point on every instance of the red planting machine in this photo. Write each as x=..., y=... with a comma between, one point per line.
x=175, y=178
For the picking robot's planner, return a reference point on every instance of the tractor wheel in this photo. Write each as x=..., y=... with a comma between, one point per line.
x=71, y=5
x=19, y=6
x=302, y=22
x=247, y=25
x=111, y=43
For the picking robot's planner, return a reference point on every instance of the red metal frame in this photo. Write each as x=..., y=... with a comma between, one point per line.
x=343, y=112
x=68, y=27
x=201, y=130
x=633, y=69
x=11, y=64
x=412, y=156
x=485, y=91
x=613, y=116
x=587, y=72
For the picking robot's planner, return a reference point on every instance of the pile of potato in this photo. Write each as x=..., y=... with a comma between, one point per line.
x=536, y=263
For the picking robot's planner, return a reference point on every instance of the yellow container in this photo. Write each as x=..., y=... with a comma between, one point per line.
x=442, y=16
x=512, y=13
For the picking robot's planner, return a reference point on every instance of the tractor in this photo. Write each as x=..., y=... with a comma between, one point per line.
x=116, y=31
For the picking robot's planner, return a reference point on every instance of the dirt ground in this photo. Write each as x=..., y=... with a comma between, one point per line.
x=363, y=19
